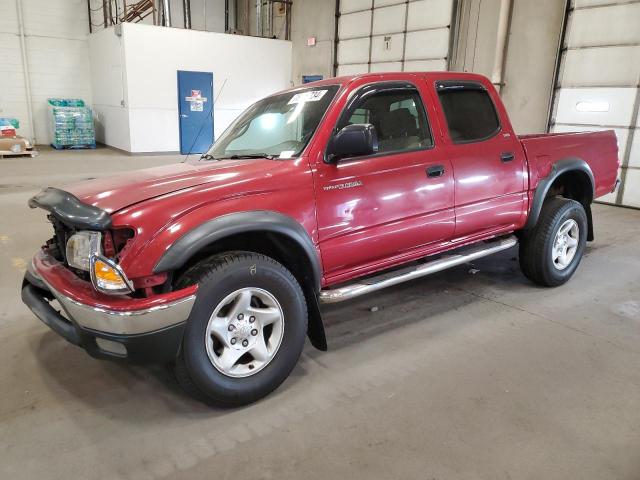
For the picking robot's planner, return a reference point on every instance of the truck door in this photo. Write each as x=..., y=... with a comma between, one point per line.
x=376, y=209
x=488, y=161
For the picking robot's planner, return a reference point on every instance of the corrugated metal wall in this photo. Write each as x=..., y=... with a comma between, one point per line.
x=599, y=80
x=393, y=35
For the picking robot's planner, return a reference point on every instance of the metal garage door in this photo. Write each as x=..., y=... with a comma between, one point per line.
x=599, y=80
x=392, y=35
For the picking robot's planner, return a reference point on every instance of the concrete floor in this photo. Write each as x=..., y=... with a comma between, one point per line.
x=458, y=375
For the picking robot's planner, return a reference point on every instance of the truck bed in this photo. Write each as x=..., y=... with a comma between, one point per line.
x=598, y=149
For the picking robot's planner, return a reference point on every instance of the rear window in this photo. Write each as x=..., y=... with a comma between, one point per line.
x=471, y=116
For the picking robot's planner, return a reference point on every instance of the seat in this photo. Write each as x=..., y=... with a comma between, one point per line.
x=398, y=130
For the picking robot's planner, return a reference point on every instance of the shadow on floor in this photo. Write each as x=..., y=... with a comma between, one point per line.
x=106, y=384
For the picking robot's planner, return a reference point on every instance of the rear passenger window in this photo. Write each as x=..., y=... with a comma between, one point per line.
x=398, y=117
x=471, y=116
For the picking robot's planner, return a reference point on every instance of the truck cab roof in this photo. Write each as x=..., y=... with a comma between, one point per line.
x=388, y=76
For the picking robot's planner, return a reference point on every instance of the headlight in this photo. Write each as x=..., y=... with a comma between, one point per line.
x=108, y=277
x=80, y=247
x=16, y=148
x=84, y=252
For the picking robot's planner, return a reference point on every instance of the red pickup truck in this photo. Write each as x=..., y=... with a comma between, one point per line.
x=313, y=195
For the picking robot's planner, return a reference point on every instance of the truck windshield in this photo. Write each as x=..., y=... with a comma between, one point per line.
x=279, y=126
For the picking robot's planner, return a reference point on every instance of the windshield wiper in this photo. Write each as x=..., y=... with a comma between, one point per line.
x=247, y=155
x=207, y=156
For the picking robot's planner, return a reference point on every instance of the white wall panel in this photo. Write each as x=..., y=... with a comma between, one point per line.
x=386, y=67
x=425, y=65
x=57, y=68
x=352, y=69
x=424, y=46
x=427, y=44
x=8, y=17
x=387, y=48
x=634, y=157
x=611, y=25
x=616, y=103
x=384, y=3
x=631, y=195
x=353, y=51
x=58, y=59
x=389, y=19
x=11, y=74
x=603, y=51
x=347, y=6
x=354, y=25
x=429, y=14
x=589, y=3
x=56, y=18
x=604, y=66
x=157, y=53
x=12, y=88
x=609, y=197
x=107, y=74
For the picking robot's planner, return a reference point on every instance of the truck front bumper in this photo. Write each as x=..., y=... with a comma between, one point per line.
x=142, y=330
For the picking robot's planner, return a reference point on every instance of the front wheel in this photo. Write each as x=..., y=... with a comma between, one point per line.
x=246, y=330
x=551, y=252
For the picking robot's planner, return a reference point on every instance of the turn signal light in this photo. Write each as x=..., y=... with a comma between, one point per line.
x=108, y=277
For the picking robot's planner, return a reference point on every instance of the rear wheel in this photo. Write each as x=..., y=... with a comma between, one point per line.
x=246, y=330
x=551, y=252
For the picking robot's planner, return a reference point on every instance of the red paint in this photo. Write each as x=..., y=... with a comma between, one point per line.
x=396, y=215
x=598, y=149
x=67, y=283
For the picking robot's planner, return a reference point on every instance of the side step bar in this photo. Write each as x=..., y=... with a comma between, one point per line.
x=383, y=281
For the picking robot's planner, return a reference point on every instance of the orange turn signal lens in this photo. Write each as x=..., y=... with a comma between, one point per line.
x=107, y=277
x=106, y=273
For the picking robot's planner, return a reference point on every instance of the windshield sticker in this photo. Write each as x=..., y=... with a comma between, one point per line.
x=286, y=153
x=312, y=96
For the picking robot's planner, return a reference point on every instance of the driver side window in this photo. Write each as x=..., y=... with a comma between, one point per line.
x=398, y=117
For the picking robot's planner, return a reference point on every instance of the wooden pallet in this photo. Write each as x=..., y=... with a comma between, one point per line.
x=73, y=147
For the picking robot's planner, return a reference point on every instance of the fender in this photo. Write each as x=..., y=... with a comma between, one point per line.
x=260, y=220
x=231, y=224
x=558, y=168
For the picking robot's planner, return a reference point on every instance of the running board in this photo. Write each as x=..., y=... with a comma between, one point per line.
x=387, y=280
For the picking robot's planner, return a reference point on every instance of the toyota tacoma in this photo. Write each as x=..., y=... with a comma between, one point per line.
x=318, y=194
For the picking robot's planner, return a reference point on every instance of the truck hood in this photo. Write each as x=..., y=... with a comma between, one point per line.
x=120, y=191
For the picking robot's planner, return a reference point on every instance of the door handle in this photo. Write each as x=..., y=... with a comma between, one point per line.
x=506, y=156
x=435, y=171
x=183, y=115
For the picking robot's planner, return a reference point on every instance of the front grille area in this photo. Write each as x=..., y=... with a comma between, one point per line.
x=113, y=243
x=57, y=245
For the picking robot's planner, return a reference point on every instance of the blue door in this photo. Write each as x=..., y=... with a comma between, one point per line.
x=195, y=108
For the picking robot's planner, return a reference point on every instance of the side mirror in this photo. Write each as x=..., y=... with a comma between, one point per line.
x=352, y=141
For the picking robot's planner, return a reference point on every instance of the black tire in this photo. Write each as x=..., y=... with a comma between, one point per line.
x=536, y=245
x=217, y=277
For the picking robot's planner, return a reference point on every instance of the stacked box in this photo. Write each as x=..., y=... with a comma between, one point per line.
x=72, y=124
x=8, y=127
x=9, y=122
